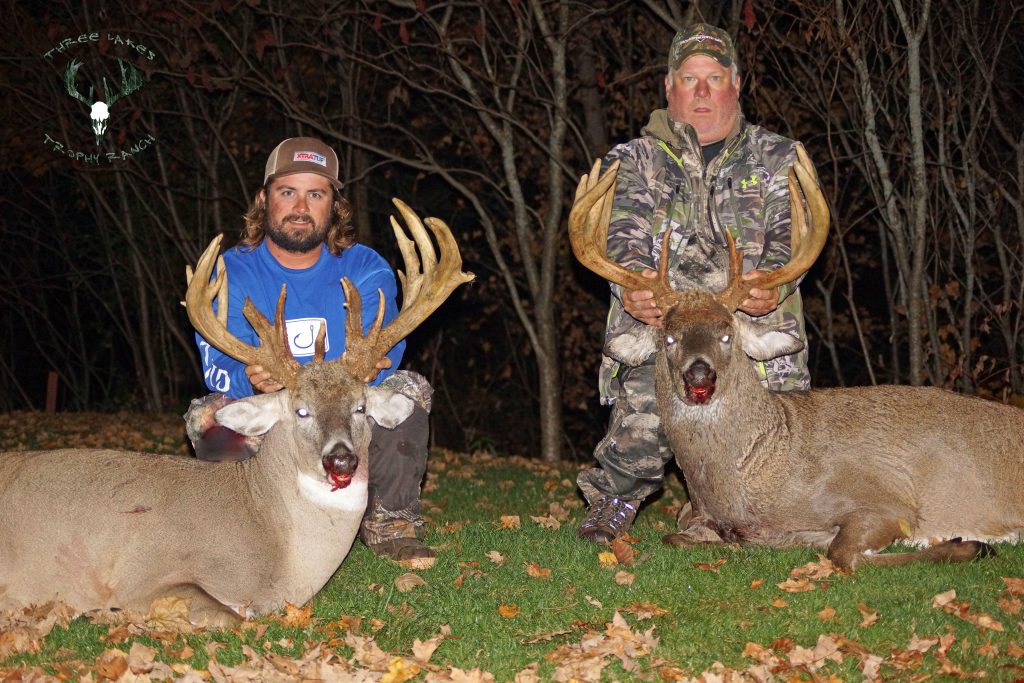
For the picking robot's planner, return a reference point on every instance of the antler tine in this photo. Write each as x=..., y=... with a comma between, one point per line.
x=273, y=353
x=808, y=234
x=69, y=82
x=588, y=233
x=428, y=281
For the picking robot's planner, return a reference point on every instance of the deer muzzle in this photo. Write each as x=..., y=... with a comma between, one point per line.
x=700, y=382
x=340, y=467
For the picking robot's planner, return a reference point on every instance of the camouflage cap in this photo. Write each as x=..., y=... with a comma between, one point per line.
x=701, y=39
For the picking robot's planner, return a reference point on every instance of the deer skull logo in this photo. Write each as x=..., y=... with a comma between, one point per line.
x=99, y=114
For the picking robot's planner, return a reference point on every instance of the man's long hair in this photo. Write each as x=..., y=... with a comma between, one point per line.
x=341, y=234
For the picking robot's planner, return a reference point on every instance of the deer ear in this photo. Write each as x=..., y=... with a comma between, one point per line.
x=387, y=408
x=254, y=415
x=764, y=342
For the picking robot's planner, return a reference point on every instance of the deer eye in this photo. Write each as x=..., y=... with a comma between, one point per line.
x=726, y=338
x=360, y=408
x=670, y=340
x=302, y=412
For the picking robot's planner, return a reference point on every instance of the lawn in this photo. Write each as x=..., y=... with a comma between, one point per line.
x=515, y=596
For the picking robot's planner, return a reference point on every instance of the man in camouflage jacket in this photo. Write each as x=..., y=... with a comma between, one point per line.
x=697, y=169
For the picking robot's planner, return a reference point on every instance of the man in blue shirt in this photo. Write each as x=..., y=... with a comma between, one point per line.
x=298, y=232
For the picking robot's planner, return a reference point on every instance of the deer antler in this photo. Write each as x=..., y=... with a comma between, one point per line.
x=69, y=82
x=273, y=353
x=130, y=82
x=588, y=232
x=425, y=286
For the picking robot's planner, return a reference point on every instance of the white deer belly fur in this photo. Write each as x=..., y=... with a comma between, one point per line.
x=322, y=494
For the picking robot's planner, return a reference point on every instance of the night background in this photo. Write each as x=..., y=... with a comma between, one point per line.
x=484, y=114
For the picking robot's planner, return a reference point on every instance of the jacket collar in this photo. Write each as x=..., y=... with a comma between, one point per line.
x=678, y=134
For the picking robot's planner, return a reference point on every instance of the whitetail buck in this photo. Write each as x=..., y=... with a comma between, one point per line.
x=853, y=470
x=115, y=529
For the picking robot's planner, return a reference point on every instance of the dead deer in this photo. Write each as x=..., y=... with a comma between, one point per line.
x=113, y=529
x=853, y=469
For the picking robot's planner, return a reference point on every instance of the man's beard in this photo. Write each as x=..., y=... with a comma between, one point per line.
x=296, y=242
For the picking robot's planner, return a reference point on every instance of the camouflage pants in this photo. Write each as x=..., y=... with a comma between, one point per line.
x=634, y=451
x=398, y=457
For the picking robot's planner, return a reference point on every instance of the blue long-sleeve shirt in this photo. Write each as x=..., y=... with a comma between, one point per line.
x=314, y=297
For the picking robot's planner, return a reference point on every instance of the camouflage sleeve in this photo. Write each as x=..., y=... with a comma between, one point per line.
x=777, y=216
x=629, y=229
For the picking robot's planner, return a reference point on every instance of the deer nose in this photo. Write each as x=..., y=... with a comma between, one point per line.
x=699, y=374
x=340, y=464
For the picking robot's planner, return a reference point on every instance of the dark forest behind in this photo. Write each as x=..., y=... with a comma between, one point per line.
x=484, y=115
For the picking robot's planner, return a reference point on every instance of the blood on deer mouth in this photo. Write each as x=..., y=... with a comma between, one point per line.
x=699, y=379
x=339, y=468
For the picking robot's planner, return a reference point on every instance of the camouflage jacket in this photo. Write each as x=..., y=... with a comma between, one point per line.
x=663, y=184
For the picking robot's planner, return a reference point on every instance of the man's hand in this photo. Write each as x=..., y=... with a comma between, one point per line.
x=759, y=301
x=640, y=303
x=261, y=380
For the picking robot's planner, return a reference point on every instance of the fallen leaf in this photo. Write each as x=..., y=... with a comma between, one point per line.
x=170, y=613
x=796, y=585
x=779, y=603
x=297, y=617
x=1014, y=586
x=827, y=614
x=942, y=599
x=509, y=522
x=496, y=557
x=406, y=582
x=623, y=551
x=870, y=616
x=111, y=664
x=989, y=650
x=593, y=601
x=607, y=559
x=905, y=528
x=1014, y=650
x=508, y=611
x=756, y=583
x=709, y=567
x=400, y=670
x=624, y=578
x=423, y=650
x=645, y=610
x=760, y=653
x=536, y=571
x=547, y=522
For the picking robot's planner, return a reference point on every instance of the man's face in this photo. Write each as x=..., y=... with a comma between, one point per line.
x=703, y=94
x=298, y=211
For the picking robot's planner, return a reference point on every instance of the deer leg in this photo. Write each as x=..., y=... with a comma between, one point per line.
x=860, y=535
x=204, y=609
x=698, y=530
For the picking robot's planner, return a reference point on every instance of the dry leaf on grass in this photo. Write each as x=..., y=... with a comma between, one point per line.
x=509, y=522
x=827, y=614
x=870, y=616
x=710, y=567
x=536, y=571
x=547, y=522
x=297, y=617
x=779, y=603
x=170, y=614
x=508, y=611
x=961, y=609
x=623, y=551
x=607, y=559
x=593, y=601
x=756, y=583
x=624, y=578
x=796, y=585
x=496, y=557
x=406, y=582
x=645, y=610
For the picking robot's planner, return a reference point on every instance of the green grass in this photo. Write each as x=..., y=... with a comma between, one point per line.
x=703, y=616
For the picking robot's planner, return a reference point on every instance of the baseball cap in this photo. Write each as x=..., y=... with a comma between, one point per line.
x=701, y=39
x=303, y=155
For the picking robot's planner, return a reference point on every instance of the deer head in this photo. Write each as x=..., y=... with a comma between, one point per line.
x=328, y=401
x=701, y=330
x=99, y=111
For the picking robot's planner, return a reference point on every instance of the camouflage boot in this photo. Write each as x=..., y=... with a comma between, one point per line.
x=393, y=524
